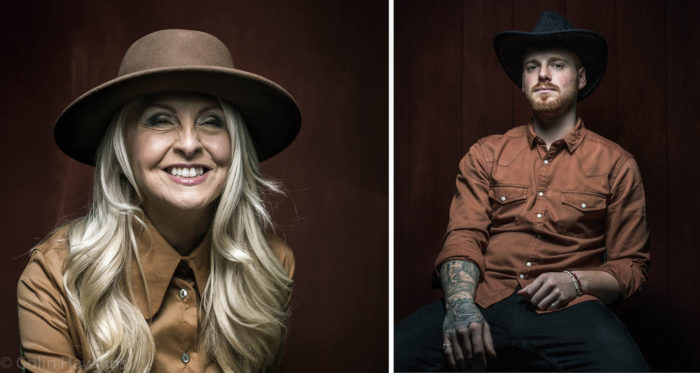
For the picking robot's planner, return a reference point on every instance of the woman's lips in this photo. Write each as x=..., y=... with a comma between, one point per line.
x=189, y=181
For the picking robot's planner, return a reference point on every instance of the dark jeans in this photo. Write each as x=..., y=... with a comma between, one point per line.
x=584, y=337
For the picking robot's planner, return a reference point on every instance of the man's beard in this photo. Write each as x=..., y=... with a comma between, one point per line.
x=557, y=106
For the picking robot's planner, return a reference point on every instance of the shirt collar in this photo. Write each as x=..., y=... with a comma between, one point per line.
x=159, y=260
x=572, y=139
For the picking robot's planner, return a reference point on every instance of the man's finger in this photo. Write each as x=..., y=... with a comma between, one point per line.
x=465, y=341
x=531, y=289
x=478, y=358
x=458, y=353
x=488, y=341
x=541, y=293
x=447, y=351
x=547, y=302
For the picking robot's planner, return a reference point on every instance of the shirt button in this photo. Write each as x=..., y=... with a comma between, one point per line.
x=503, y=198
x=539, y=216
x=185, y=358
x=529, y=264
x=540, y=194
x=583, y=205
x=183, y=293
x=522, y=275
x=546, y=161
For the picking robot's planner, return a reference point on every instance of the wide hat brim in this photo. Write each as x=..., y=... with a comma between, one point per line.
x=588, y=45
x=271, y=115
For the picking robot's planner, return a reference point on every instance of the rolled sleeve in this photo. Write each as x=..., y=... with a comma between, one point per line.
x=470, y=212
x=627, y=235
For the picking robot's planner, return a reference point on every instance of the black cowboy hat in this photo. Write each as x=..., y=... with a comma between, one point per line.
x=553, y=30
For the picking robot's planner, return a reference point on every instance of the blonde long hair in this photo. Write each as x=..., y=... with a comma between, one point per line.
x=244, y=303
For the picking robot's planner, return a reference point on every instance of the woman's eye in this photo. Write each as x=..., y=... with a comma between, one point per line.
x=158, y=120
x=212, y=121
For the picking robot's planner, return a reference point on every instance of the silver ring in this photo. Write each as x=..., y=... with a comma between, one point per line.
x=445, y=346
x=553, y=305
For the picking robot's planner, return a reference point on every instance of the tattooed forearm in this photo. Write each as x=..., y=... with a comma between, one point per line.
x=459, y=279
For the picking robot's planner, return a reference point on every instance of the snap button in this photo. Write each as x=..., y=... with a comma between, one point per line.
x=183, y=293
x=522, y=275
x=540, y=194
x=503, y=198
x=539, y=216
x=583, y=205
x=185, y=358
x=546, y=161
x=528, y=264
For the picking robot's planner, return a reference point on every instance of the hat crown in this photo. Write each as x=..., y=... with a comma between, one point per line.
x=175, y=48
x=552, y=22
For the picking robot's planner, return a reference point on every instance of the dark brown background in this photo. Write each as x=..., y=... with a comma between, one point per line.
x=450, y=90
x=331, y=56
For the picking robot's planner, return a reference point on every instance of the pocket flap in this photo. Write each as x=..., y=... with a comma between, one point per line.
x=583, y=201
x=505, y=194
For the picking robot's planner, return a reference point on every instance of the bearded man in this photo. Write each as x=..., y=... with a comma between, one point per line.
x=548, y=224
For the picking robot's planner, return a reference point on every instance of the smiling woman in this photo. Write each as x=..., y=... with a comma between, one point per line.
x=174, y=267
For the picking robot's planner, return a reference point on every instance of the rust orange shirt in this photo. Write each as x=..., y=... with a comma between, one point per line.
x=51, y=334
x=521, y=210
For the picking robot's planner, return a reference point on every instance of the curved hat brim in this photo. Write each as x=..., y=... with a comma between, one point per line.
x=588, y=45
x=272, y=116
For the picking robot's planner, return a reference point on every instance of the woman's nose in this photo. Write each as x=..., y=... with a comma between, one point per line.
x=188, y=143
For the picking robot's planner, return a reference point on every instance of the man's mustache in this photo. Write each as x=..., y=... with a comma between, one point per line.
x=544, y=86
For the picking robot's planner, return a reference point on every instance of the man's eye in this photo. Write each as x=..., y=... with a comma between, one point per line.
x=530, y=67
x=558, y=65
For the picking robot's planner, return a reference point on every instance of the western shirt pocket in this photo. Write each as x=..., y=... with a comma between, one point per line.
x=582, y=215
x=507, y=203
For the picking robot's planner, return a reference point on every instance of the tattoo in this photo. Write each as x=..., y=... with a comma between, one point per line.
x=459, y=279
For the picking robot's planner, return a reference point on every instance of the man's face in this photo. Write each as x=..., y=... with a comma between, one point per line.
x=551, y=80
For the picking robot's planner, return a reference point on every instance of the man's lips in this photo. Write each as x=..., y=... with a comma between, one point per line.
x=547, y=88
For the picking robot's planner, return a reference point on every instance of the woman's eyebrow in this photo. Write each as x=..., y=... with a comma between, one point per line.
x=207, y=108
x=162, y=106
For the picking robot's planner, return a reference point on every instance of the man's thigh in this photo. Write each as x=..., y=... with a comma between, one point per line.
x=582, y=337
x=585, y=337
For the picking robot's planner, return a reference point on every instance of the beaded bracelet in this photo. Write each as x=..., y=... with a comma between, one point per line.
x=575, y=280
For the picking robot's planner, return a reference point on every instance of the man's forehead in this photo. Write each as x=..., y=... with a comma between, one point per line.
x=549, y=53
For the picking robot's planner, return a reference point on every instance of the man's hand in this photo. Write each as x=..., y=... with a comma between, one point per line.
x=550, y=290
x=466, y=337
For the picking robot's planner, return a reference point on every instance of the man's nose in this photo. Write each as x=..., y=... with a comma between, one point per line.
x=188, y=143
x=544, y=73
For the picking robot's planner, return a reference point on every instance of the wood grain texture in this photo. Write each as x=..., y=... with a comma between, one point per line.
x=427, y=127
x=331, y=56
x=682, y=120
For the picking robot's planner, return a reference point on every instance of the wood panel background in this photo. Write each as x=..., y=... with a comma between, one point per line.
x=335, y=218
x=450, y=90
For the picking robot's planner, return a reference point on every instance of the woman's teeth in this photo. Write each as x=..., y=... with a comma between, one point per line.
x=187, y=171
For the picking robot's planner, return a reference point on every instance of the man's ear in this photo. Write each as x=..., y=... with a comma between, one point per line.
x=581, y=77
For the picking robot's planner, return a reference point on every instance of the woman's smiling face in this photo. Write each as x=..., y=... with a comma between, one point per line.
x=180, y=151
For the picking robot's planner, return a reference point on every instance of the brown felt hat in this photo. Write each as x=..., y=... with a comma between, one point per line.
x=180, y=61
